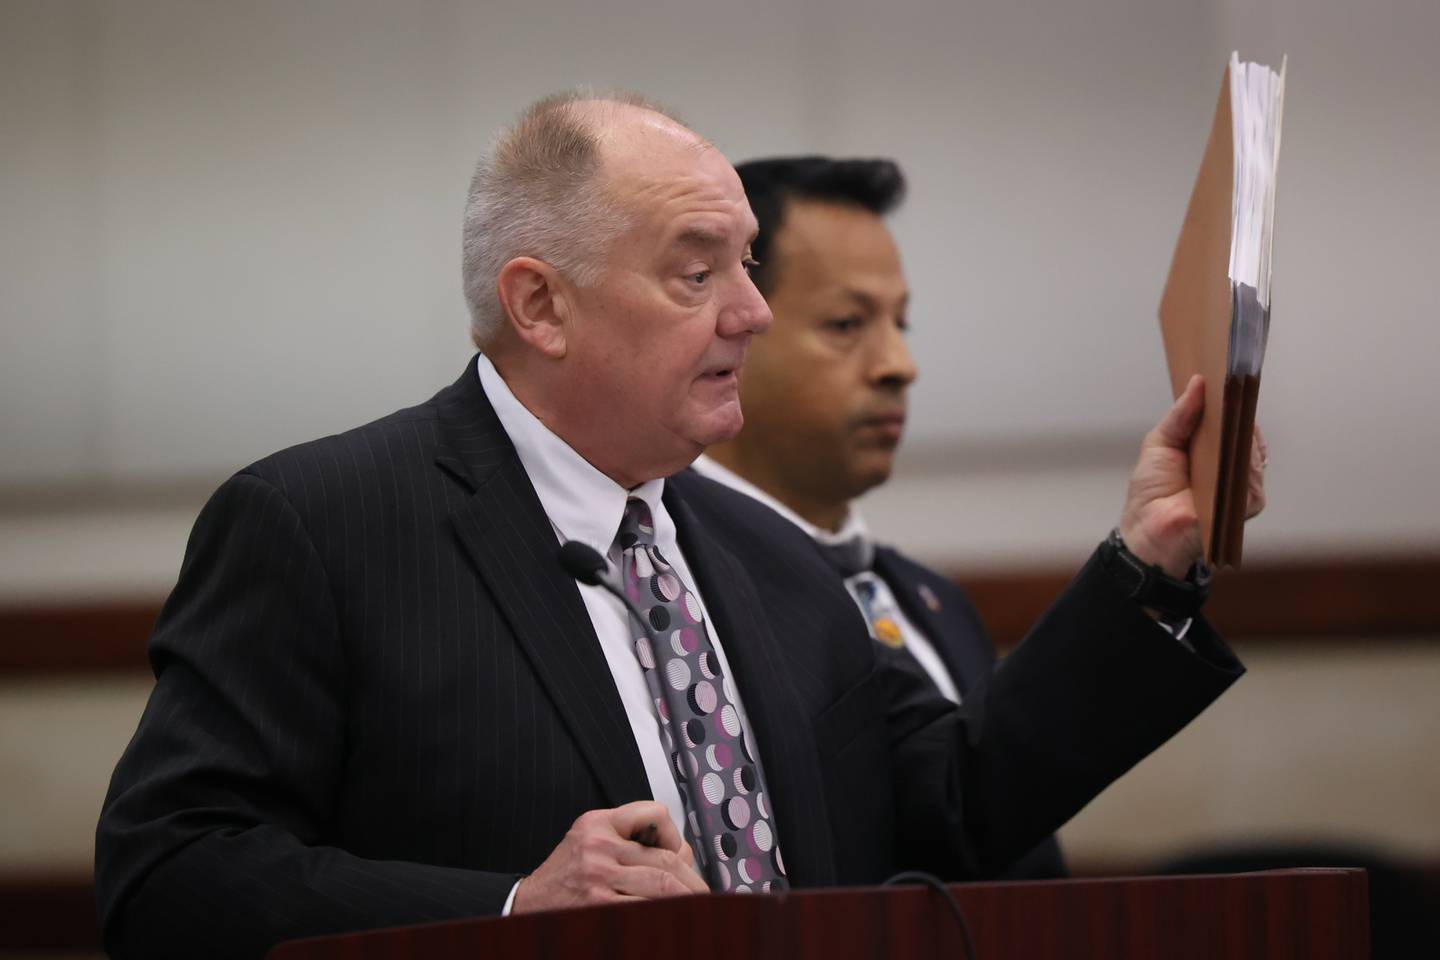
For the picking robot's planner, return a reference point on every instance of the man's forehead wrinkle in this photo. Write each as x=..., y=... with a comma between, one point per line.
x=704, y=237
x=672, y=181
x=644, y=175
x=699, y=193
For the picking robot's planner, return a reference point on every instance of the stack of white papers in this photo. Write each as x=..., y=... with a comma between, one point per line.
x=1257, y=99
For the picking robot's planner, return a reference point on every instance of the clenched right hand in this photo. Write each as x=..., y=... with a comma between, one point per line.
x=597, y=862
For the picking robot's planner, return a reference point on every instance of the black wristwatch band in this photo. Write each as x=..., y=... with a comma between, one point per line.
x=1151, y=586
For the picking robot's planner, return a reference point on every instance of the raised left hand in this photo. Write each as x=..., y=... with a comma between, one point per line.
x=1159, y=522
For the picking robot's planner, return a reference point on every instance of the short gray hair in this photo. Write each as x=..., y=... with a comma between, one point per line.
x=537, y=193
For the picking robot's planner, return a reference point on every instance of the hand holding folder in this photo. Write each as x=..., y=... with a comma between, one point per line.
x=1158, y=522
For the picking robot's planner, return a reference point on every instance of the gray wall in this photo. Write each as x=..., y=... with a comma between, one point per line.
x=233, y=227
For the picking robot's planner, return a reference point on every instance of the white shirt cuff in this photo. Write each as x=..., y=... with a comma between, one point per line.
x=510, y=900
x=1178, y=631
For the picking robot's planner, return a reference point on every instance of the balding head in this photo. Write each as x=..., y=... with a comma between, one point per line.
x=544, y=190
x=607, y=267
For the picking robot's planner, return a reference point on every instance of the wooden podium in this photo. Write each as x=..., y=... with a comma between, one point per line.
x=1314, y=914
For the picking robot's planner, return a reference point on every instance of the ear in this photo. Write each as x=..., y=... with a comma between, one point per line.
x=536, y=303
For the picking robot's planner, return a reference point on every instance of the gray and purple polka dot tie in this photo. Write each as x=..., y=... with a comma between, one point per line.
x=727, y=810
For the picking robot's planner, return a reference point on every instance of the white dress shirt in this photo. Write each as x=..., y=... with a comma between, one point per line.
x=916, y=642
x=584, y=504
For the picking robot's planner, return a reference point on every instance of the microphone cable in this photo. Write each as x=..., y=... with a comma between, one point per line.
x=934, y=883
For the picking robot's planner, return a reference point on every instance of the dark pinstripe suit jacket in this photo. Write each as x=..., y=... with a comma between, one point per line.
x=378, y=701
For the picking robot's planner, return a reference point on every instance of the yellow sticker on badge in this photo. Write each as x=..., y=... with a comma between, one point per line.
x=887, y=631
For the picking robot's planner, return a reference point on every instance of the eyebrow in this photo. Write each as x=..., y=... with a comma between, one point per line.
x=868, y=302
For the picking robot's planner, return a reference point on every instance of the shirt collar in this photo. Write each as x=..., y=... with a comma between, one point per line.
x=853, y=527
x=582, y=503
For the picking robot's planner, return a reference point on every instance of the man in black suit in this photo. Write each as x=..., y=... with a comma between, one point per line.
x=380, y=700
x=824, y=394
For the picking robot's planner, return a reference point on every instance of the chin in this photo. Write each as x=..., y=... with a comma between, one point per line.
x=718, y=427
x=869, y=474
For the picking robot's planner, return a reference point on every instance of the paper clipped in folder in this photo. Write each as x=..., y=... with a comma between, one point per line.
x=1215, y=311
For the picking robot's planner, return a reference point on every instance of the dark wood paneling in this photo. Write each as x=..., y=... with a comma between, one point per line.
x=47, y=913
x=1367, y=598
x=68, y=639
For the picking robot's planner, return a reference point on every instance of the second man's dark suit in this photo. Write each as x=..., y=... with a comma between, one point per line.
x=940, y=609
x=379, y=701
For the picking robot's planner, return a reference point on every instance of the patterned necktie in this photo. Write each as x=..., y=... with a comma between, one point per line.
x=727, y=810
x=852, y=559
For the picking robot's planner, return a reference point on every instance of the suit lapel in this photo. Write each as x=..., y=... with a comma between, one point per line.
x=778, y=722
x=961, y=657
x=505, y=531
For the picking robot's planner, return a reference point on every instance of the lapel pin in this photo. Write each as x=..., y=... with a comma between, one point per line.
x=928, y=595
x=887, y=631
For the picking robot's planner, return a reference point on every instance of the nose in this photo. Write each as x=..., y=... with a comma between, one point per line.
x=892, y=365
x=745, y=312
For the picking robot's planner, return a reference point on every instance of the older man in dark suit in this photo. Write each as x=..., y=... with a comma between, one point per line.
x=380, y=700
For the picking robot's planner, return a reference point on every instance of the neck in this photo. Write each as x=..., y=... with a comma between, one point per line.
x=580, y=424
x=824, y=512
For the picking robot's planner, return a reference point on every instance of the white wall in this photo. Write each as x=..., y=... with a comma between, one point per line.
x=229, y=228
